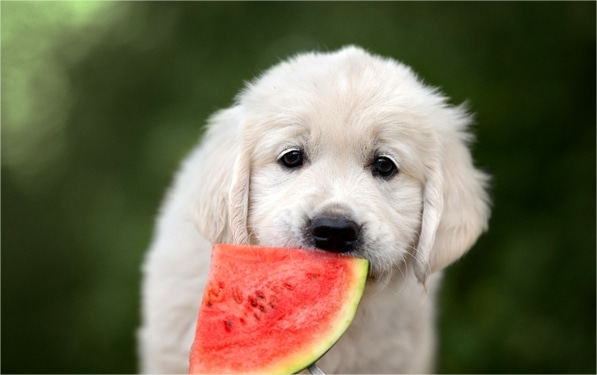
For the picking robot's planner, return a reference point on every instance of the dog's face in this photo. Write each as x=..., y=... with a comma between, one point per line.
x=349, y=153
x=339, y=182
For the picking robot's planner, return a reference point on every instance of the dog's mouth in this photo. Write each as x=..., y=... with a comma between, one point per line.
x=336, y=231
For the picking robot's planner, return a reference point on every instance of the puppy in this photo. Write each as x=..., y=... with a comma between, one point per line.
x=346, y=152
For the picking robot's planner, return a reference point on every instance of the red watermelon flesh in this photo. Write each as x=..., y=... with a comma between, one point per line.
x=273, y=310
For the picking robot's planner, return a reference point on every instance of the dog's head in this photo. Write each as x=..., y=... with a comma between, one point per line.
x=346, y=152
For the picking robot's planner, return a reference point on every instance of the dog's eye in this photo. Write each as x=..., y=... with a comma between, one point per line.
x=292, y=159
x=384, y=167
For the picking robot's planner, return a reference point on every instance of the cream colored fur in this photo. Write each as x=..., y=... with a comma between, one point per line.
x=342, y=109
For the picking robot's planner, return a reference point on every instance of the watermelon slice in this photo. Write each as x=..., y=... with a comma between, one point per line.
x=273, y=310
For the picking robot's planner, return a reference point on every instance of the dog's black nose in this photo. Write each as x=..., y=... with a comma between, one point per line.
x=334, y=234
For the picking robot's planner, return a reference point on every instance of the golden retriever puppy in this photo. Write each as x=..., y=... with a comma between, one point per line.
x=343, y=151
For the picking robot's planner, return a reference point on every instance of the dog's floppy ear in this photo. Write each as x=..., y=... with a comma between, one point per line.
x=455, y=201
x=238, y=198
x=221, y=206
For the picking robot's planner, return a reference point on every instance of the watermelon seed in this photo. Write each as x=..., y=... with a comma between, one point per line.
x=228, y=325
x=257, y=315
x=288, y=286
x=236, y=294
x=215, y=294
x=253, y=301
x=260, y=294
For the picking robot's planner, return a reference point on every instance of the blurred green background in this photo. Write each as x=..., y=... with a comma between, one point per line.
x=100, y=100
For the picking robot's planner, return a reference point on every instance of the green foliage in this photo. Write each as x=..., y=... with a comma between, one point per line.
x=100, y=100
